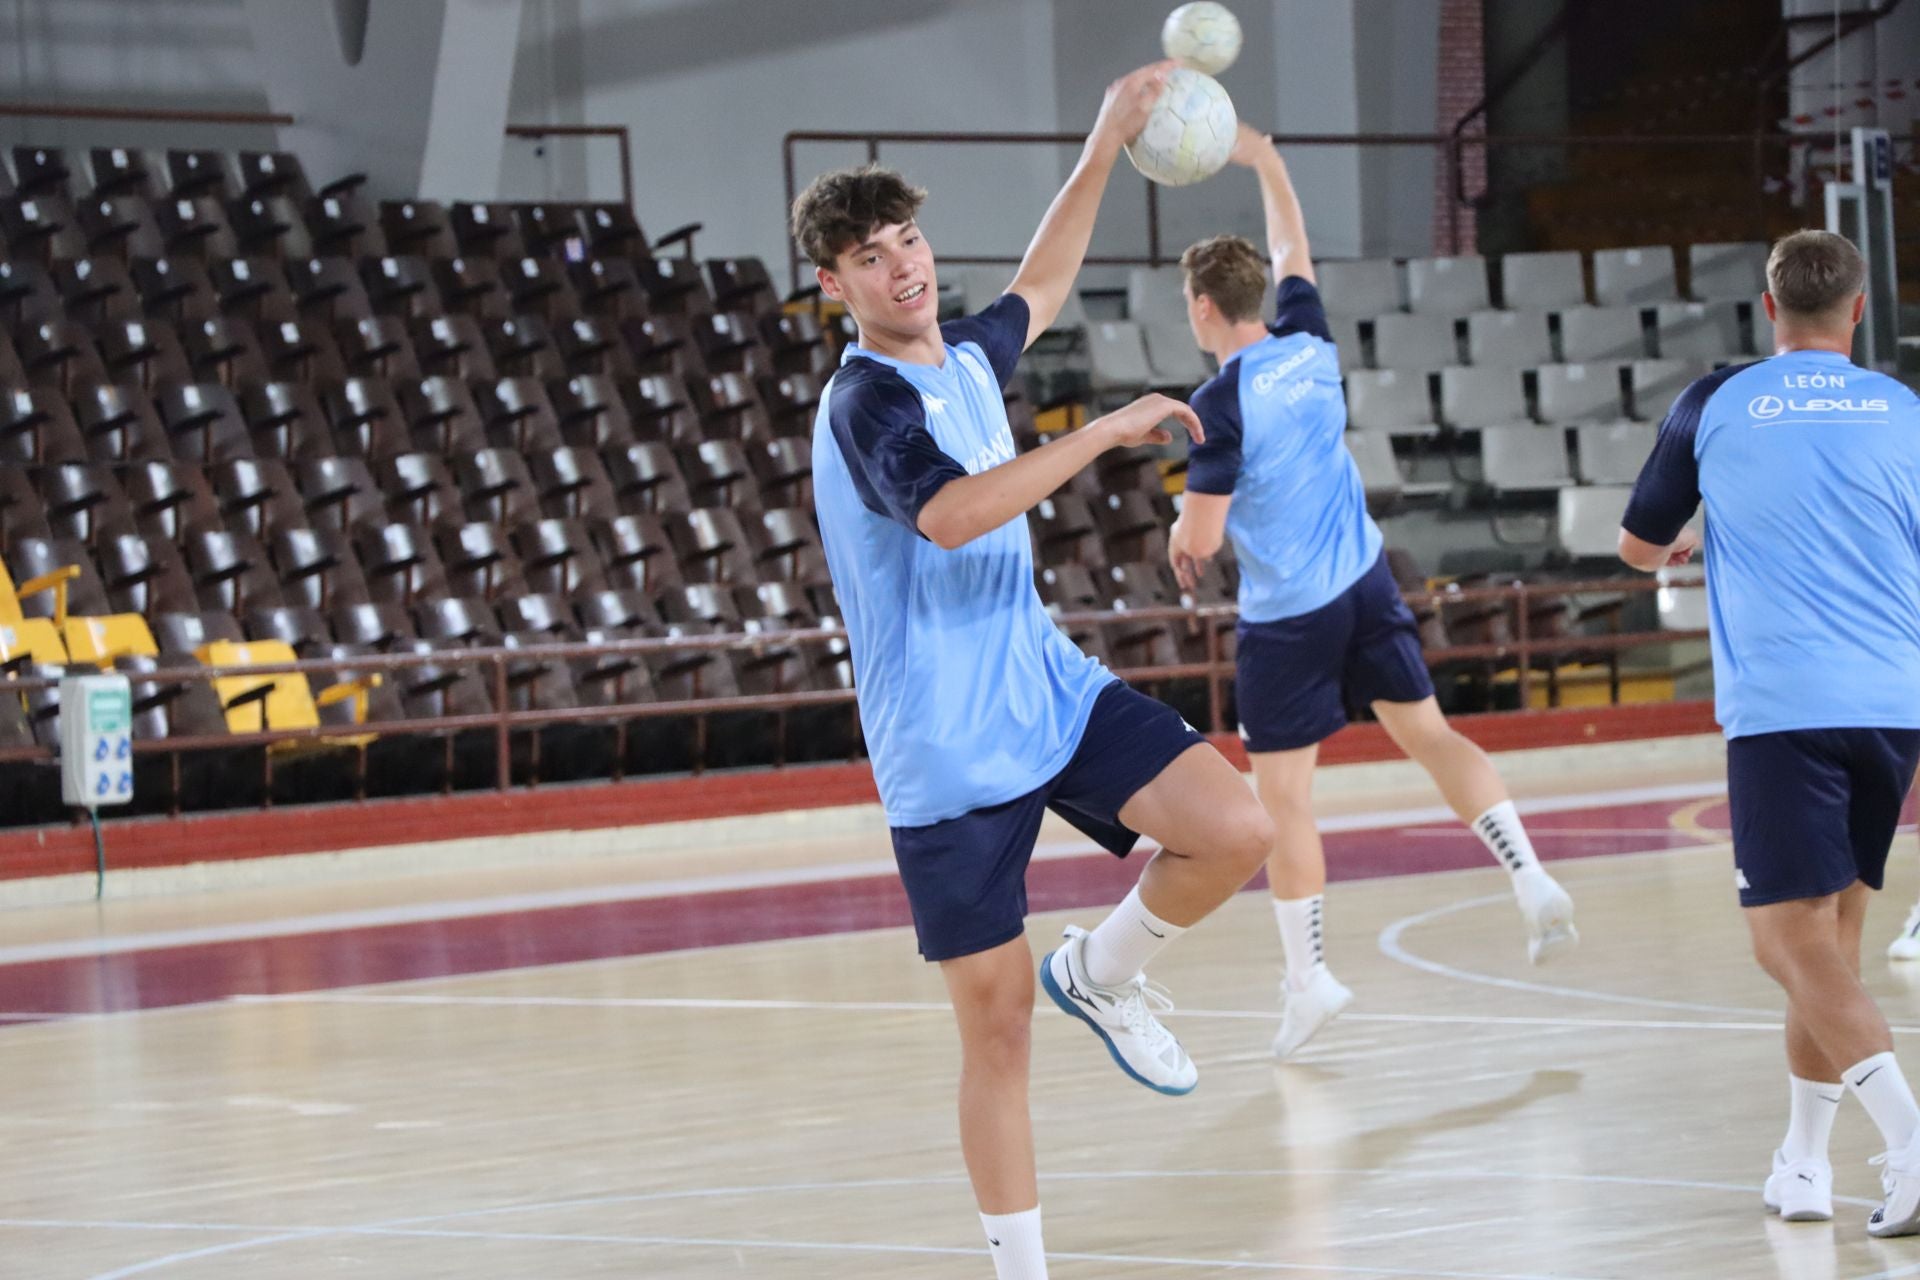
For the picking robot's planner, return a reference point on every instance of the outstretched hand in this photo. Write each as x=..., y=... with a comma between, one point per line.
x=1140, y=422
x=1129, y=101
x=1250, y=146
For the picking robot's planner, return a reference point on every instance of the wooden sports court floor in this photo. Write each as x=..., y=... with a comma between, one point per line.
x=714, y=1053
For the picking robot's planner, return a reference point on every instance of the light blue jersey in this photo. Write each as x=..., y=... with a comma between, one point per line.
x=1276, y=423
x=969, y=695
x=1810, y=469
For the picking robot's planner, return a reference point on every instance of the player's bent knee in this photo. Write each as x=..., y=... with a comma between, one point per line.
x=1249, y=838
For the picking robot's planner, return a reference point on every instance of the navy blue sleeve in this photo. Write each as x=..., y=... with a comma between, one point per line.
x=1000, y=330
x=881, y=428
x=1213, y=466
x=1668, y=490
x=1300, y=310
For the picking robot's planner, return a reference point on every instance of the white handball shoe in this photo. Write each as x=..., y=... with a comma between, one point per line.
x=1906, y=945
x=1120, y=1016
x=1548, y=911
x=1800, y=1190
x=1307, y=1010
x=1899, y=1215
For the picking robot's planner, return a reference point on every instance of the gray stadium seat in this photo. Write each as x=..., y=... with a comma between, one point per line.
x=1117, y=358
x=1509, y=339
x=1390, y=400
x=1728, y=269
x=1699, y=330
x=1655, y=383
x=976, y=285
x=1580, y=393
x=1601, y=333
x=1414, y=342
x=1589, y=519
x=1447, y=286
x=1346, y=339
x=1519, y=459
x=1643, y=275
x=1541, y=281
x=1360, y=287
x=1612, y=452
x=1175, y=361
x=1154, y=294
x=1380, y=472
x=1473, y=397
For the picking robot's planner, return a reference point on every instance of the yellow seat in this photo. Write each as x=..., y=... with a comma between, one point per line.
x=283, y=701
x=103, y=640
x=34, y=641
x=56, y=582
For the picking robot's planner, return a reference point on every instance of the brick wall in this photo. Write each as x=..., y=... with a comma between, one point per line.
x=1462, y=83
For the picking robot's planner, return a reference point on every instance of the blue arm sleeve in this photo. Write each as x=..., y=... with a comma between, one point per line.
x=1668, y=490
x=881, y=428
x=1299, y=310
x=1214, y=466
x=1000, y=331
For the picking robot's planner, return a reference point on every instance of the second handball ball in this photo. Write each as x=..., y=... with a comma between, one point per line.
x=1202, y=35
x=1189, y=133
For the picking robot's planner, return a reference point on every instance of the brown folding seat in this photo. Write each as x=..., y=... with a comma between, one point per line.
x=256, y=289
x=485, y=230
x=317, y=568
x=1136, y=642
x=778, y=605
x=272, y=173
x=198, y=173
x=637, y=553
x=203, y=422
x=545, y=230
x=522, y=346
x=41, y=229
x=95, y=289
x=796, y=344
x=419, y=489
x=119, y=424
x=256, y=496
x=673, y=286
x=730, y=343
x=659, y=409
x=377, y=346
x=539, y=287
x=144, y=575
x=611, y=232
x=711, y=546
x=37, y=427
x=608, y=287
x=792, y=400
x=41, y=171
x=590, y=412
x=142, y=353
x=588, y=345
x=182, y=632
x=518, y=414
x=646, y=477
x=1070, y=588
x=703, y=604
x=84, y=502
x=12, y=372
x=542, y=615
x=300, y=351
x=223, y=349
x=786, y=546
x=285, y=420
x=401, y=286
x=196, y=228
x=381, y=627
x=480, y=561
x=418, y=227
x=21, y=513
x=718, y=475
x=341, y=226
x=616, y=679
x=664, y=344
x=169, y=499
x=468, y=622
x=270, y=227
x=453, y=346
x=1064, y=528
x=496, y=486
x=339, y=492
x=1020, y=419
x=119, y=227
x=230, y=572
x=59, y=354
x=731, y=407
x=471, y=286
x=122, y=171
x=1132, y=526
x=441, y=415
x=366, y=418
x=784, y=469
x=39, y=557
x=558, y=557
x=573, y=485
x=304, y=630
x=328, y=288
x=400, y=564
x=742, y=284
x=27, y=295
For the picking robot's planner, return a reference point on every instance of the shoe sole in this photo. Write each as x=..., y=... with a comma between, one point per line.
x=1318, y=1027
x=1557, y=939
x=1904, y=948
x=1904, y=1228
x=1067, y=1006
x=1799, y=1215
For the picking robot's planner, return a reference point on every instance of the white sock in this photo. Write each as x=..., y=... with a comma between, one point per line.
x=1014, y=1241
x=1120, y=946
x=1499, y=829
x=1811, y=1110
x=1882, y=1090
x=1300, y=937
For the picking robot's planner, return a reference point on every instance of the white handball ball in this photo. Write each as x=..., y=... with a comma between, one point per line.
x=1190, y=132
x=1203, y=35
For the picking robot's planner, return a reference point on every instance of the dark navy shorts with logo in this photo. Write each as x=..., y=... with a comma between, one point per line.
x=966, y=878
x=1295, y=677
x=1815, y=809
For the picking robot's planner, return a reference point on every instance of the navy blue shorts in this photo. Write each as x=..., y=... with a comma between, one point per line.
x=1295, y=677
x=1815, y=809
x=966, y=878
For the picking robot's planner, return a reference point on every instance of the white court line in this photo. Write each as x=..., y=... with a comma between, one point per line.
x=504, y=904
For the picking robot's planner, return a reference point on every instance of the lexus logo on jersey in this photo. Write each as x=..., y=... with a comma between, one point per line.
x=1764, y=407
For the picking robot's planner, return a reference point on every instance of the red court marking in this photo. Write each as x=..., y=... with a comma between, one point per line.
x=428, y=949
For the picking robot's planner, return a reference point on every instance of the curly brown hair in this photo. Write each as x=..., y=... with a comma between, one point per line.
x=843, y=208
x=1231, y=271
